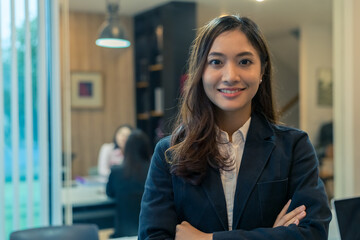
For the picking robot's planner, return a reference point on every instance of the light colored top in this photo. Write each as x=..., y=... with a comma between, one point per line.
x=235, y=151
x=108, y=156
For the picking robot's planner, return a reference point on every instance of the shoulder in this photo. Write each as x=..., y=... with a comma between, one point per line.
x=107, y=146
x=117, y=170
x=264, y=129
x=158, y=159
x=163, y=144
x=281, y=129
x=291, y=136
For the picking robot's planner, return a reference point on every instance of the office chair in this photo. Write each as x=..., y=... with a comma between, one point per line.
x=73, y=232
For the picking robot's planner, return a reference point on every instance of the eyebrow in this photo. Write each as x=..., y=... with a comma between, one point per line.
x=238, y=55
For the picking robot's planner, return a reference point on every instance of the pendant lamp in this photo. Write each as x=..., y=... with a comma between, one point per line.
x=112, y=33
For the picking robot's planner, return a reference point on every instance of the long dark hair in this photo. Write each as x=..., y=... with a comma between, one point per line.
x=193, y=142
x=137, y=153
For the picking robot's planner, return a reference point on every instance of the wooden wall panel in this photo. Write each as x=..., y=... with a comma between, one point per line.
x=92, y=127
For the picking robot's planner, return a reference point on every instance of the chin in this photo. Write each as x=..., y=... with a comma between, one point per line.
x=234, y=109
x=230, y=110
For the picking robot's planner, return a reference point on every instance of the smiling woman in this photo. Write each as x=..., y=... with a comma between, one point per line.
x=229, y=171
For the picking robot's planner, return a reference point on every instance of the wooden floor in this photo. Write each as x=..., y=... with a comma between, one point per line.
x=105, y=233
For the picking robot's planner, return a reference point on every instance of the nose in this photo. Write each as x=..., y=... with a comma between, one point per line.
x=231, y=73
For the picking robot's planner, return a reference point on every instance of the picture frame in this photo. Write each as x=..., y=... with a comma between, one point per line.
x=325, y=87
x=86, y=90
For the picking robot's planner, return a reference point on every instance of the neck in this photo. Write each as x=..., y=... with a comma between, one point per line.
x=232, y=121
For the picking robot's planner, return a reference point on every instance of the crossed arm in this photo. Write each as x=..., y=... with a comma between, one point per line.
x=159, y=219
x=185, y=230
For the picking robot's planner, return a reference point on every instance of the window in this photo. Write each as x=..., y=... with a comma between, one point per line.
x=28, y=112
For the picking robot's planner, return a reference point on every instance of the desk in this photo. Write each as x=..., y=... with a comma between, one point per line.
x=90, y=204
x=333, y=228
x=125, y=238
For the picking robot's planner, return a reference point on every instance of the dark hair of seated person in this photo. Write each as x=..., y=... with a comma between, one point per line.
x=126, y=183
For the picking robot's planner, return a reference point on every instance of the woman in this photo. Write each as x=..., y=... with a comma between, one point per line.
x=112, y=153
x=228, y=171
x=126, y=183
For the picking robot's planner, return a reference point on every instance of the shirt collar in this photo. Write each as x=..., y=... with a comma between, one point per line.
x=238, y=135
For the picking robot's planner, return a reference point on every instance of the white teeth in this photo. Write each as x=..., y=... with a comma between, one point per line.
x=229, y=91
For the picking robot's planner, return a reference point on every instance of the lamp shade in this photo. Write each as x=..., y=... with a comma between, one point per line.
x=112, y=33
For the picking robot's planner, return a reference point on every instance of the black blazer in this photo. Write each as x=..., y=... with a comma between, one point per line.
x=278, y=164
x=127, y=191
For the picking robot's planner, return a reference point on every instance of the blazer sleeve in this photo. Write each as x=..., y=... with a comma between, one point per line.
x=158, y=216
x=306, y=188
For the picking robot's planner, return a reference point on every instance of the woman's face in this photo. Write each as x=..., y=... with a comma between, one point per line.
x=122, y=136
x=232, y=73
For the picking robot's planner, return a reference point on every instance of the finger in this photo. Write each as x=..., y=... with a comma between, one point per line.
x=185, y=223
x=292, y=214
x=285, y=208
x=283, y=211
x=296, y=220
x=301, y=215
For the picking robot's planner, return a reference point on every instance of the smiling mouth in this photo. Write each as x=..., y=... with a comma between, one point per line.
x=231, y=91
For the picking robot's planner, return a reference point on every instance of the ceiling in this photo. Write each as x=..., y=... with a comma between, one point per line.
x=278, y=19
x=272, y=15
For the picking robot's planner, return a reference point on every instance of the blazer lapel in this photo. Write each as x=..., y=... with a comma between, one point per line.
x=258, y=147
x=212, y=186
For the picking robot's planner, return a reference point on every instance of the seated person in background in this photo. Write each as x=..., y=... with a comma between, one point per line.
x=325, y=151
x=325, y=140
x=112, y=153
x=126, y=183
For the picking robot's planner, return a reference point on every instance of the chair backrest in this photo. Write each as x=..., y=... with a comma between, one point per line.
x=73, y=232
x=347, y=213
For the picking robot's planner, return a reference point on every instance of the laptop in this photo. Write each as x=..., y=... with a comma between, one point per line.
x=347, y=213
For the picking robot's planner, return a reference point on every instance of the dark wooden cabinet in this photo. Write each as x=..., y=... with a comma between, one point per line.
x=163, y=37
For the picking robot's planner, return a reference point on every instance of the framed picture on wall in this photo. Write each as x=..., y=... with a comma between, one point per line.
x=86, y=90
x=325, y=86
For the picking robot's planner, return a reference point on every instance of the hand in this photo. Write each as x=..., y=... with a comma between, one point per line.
x=185, y=231
x=292, y=217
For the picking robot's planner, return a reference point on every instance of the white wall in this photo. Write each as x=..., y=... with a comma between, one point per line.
x=356, y=90
x=286, y=88
x=285, y=54
x=346, y=97
x=315, y=53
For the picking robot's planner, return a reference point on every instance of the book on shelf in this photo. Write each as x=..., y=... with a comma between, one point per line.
x=159, y=100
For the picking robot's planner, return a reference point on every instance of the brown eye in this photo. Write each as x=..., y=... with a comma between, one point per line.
x=245, y=62
x=215, y=62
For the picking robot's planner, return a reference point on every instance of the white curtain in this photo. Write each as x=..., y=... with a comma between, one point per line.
x=30, y=121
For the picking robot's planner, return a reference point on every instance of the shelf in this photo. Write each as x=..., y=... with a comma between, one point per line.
x=143, y=116
x=156, y=114
x=142, y=84
x=158, y=75
x=155, y=67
